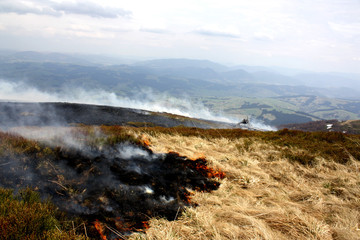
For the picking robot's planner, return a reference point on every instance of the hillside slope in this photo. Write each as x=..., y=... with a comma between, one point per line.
x=286, y=109
x=350, y=126
x=277, y=185
x=13, y=114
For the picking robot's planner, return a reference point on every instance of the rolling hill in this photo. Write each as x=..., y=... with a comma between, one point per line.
x=274, y=96
x=17, y=114
x=349, y=126
x=286, y=109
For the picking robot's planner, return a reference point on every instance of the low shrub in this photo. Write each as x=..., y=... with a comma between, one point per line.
x=25, y=216
x=302, y=157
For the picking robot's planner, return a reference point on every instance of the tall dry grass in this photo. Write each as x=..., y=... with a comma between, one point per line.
x=280, y=185
x=271, y=190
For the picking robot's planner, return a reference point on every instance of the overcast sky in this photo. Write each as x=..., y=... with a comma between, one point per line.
x=321, y=35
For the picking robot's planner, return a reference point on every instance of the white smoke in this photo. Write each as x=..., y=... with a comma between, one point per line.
x=143, y=99
x=22, y=92
x=53, y=136
x=258, y=125
x=148, y=100
x=129, y=151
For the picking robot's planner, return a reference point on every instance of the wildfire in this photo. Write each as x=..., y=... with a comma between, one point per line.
x=121, y=186
x=145, y=140
x=210, y=172
x=127, y=226
x=187, y=195
x=100, y=228
x=201, y=166
x=145, y=225
x=131, y=222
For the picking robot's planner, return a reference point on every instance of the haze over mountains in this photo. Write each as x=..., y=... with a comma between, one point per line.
x=274, y=95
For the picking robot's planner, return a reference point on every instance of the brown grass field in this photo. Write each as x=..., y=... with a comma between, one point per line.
x=265, y=195
x=278, y=185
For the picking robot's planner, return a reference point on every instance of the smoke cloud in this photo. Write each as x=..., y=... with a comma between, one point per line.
x=145, y=99
x=258, y=125
x=21, y=92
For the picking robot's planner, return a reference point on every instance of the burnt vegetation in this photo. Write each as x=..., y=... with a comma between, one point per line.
x=110, y=183
x=109, y=179
x=63, y=114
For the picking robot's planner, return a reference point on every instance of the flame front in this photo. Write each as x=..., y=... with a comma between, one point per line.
x=210, y=172
x=121, y=185
x=145, y=140
x=99, y=227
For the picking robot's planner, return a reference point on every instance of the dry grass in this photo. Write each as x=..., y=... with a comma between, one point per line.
x=266, y=194
x=280, y=185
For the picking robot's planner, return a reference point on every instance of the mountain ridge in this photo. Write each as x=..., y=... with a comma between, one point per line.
x=196, y=78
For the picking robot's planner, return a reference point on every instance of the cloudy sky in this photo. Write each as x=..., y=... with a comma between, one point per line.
x=322, y=35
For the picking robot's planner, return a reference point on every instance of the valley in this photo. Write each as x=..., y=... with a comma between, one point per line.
x=265, y=94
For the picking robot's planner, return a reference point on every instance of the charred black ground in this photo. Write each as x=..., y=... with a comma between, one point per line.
x=14, y=114
x=121, y=186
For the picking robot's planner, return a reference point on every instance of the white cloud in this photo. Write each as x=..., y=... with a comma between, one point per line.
x=302, y=30
x=218, y=31
x=90, y=9
x=155, y=30
x=352, y=29
x=24, y=7
x=60, y=8
x=264, y=36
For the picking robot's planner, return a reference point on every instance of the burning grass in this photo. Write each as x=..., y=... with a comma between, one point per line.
x=114, y=183
x=278, y=185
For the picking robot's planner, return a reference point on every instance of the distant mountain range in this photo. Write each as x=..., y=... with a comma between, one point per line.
x=286, y=109
x=200, y=79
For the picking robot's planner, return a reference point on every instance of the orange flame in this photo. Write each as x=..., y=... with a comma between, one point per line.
x=99, y=227
x=145, y=140
x=211, y=172
x=145, y=224
x=123, y=226
x=188, y=197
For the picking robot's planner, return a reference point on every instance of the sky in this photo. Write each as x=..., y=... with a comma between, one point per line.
x=318, y=35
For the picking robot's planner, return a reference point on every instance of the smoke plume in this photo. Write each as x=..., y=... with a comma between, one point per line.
x=145, y=99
